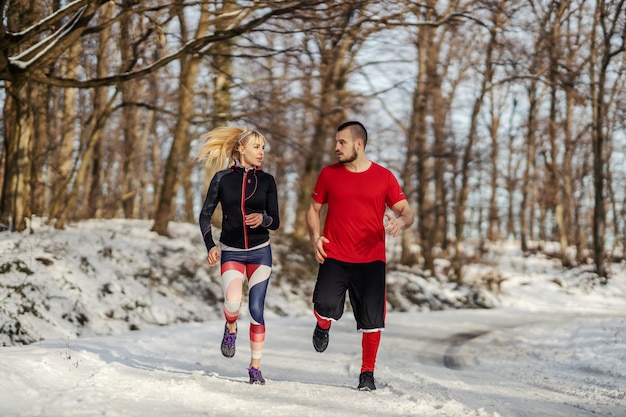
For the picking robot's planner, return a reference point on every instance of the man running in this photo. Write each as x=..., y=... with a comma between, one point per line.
x=351, y=249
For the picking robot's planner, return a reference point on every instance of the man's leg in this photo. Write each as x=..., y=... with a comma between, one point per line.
x=369, y=345
x=367, y=295
x=320, y=333
x=329, y=297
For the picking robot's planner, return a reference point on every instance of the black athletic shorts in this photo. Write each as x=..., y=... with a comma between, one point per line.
x=365, y=283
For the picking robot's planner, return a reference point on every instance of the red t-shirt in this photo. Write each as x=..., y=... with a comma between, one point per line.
x=357, y=202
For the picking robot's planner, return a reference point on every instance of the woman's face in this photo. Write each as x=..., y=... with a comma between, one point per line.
x=252, y=153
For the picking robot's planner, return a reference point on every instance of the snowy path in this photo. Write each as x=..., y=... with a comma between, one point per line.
x=429, y=365
x=465, y=363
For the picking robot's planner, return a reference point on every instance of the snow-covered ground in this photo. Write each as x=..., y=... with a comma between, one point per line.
x=553, y=345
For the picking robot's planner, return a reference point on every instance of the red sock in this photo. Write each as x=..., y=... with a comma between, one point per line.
x=321, y=321
x=369, y=344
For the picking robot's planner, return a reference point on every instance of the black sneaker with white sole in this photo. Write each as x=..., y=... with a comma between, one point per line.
x=366, y=381
x=320, y=338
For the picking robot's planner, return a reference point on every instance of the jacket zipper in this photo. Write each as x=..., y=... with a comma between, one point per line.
x=243, y=208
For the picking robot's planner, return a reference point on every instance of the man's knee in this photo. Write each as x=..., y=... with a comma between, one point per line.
x=328, y=310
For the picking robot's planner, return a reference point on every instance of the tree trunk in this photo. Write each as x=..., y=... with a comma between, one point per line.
x=18, y=123
x=511, y=174
x=19, y=118
x=22, y=96
x=181, y=146
x=93, y=204
x=467, y=154
x=439, y=111
x=131, y=121
x=493, y=218
x=529, y=172
x=335, y=69
x=418, y=133
x=612, y=43
x=221, y=57
x=64, y=157
x=41, y=138
x=314, y=161
x=597, y=101
x=93, y=130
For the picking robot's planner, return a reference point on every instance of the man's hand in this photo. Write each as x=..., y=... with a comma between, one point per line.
x=393, y=225
x=318, y=248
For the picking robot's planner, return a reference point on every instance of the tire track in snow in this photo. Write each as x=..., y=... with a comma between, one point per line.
x=451, y=357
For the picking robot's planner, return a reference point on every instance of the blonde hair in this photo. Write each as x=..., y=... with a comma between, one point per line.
x=220, y=146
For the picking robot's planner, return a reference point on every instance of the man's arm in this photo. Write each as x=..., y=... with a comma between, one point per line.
x=313, y=225
x=404, y=219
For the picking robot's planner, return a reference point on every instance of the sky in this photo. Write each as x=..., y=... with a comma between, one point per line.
x=554, y=343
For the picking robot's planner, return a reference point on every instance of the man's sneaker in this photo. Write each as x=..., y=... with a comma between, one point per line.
x=255, y=376
x=228, y=343
x=320, y=338
x=366, y=381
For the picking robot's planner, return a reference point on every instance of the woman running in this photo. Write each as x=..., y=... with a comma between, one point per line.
x=249, y=210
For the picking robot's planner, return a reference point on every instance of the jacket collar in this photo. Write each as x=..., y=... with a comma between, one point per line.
x=238, y=167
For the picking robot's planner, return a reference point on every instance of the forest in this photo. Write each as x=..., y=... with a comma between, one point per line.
x=501, y=119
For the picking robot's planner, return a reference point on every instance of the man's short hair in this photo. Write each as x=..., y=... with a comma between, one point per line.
x=357, y=130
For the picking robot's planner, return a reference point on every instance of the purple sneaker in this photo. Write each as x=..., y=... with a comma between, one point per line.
x=228, y=343
x=255, y=376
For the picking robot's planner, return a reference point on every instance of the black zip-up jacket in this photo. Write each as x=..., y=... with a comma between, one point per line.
x=241, y=191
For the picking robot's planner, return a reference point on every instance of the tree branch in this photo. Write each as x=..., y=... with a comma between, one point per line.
x=194, y=46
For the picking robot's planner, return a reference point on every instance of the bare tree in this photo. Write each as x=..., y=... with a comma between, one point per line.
x=338, y=33
x=337, y=45
x=178, y=156
x=495, y=23
x=556, y=173
x=221, y=55
x=417, y=134
x=493, y=218
x=610, y=24
x=25, y=58
x=534, y=92
x=95, y=126
x=29, y=51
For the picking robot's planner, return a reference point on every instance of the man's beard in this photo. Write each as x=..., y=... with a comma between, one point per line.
x=348, y=159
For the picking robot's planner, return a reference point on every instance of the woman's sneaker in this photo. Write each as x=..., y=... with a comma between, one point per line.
x=228, y=343
x=366, y=381
x=255, y=376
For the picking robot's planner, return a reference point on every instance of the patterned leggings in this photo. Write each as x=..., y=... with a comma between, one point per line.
x=256, y=266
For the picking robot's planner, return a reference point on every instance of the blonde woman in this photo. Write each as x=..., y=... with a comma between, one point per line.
x=249, y=211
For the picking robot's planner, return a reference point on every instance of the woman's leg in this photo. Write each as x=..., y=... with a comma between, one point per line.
x=258, y=271
x=232, y=285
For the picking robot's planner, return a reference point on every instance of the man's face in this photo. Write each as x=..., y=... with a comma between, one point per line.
x=345, y=147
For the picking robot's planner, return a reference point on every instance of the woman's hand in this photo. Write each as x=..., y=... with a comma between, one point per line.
x=213, y=257
x=254, y=220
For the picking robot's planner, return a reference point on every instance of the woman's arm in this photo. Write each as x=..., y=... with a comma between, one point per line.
x=208, y=208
